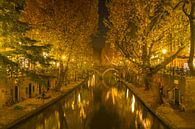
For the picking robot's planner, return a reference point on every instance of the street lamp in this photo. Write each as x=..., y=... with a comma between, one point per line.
x=45, y=54
x=58, y=64
x=63, y=57
x=164, y=51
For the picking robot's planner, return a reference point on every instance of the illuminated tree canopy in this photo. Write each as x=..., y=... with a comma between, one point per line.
x=140, y=30
x=68, y=26
x=17, y=51
x=188, y=8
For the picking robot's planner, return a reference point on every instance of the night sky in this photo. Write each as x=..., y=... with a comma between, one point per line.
x=99, y=38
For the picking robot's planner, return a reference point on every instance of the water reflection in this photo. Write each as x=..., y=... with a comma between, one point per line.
x=92, y=80
x=112, y=94
x=95, y=108
x=133, y=103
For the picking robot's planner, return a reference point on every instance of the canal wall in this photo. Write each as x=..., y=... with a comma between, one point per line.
x=147, y=98
x=19, y=112
x=175, y=118
x=189, y=94
x=186, y=87
x=14, y=90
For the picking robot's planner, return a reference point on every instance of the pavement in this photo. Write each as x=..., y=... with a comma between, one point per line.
x=11, y=115
x=174, y=117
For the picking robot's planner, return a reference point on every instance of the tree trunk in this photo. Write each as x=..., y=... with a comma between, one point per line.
x=62, y=73
x=61, y=76
x=192, y=44
x=156, y=93
x=148, y=77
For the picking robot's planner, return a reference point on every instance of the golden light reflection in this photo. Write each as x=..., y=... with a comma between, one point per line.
x=79, y=98
x=82, y=112
x=133, y=104
x=40, y=127
x=93, y=80
x=145, y=122
x=140, y=115
x=194, y=63
x=127, y=93
x=88, y=83
x=72, y=105
x=57, y=116
x=136, y=123
x=46, y=122
x=113, y=93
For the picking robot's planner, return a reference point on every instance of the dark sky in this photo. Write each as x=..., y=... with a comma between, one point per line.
x=103, y=13
x=99, y=38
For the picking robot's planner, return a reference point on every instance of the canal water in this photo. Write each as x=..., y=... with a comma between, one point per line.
x=95, y=107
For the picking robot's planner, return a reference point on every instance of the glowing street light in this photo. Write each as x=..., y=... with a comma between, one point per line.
x=58, y=64
x=63, y=57
x=45, y=54
x=164, y=51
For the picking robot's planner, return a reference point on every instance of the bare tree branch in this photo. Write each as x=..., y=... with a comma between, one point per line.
x=184, y=10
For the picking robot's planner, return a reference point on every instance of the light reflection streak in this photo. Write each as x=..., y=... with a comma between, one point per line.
x=127, y=93
x=89, y=83
x=133, y=104
x=113, y=93
x=146, y=123
x=82, y=112
x=93, y=80
x=78, y=106
x=79, y=98
x=72, y=105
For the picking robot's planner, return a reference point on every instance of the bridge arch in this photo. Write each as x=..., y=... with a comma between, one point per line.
x=101, y=73
x=104, y=73
x=109, y=69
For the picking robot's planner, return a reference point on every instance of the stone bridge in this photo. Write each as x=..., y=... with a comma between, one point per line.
x=102, y=70
x=107, y=75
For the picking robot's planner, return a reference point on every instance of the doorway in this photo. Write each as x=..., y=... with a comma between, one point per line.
x=30, y=90
x=16, y=97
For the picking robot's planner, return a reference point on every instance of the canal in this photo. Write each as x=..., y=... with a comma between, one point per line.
x=95, y=106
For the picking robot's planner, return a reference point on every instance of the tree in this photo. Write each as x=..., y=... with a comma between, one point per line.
x=17, y=51
x=191, y=17
x=68, y=25
x=140, y=30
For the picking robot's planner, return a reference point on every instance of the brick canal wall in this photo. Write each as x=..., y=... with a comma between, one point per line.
x=13, y=91
x=186, y=87
x=189, y=94
x=11, y=117
x=5, y=86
